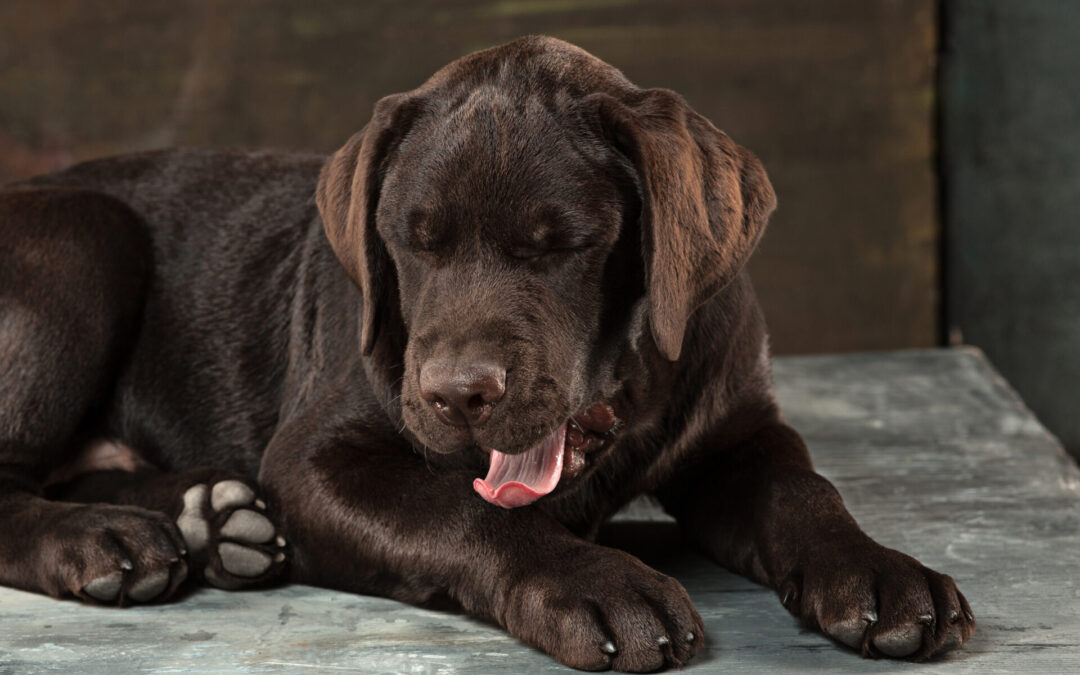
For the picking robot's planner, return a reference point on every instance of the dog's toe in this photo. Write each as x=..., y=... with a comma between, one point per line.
x=850, y=632
x=105, y=588
x=900, y=642
x=150, y=586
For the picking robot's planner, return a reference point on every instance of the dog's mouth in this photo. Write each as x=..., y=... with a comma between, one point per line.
x=517, y=480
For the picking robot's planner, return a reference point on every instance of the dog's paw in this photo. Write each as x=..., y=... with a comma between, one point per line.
x=232, y=541
x=602, y=609
x=116, y=555
x=880, y=602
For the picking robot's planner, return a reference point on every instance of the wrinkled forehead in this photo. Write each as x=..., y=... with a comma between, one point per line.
x=493, y=159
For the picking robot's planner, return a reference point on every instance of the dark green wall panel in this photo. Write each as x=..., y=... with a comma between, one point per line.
x=1011, y=87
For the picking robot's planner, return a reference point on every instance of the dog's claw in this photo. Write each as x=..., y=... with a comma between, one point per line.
x=689, y=637
x=662, y=640
x=608, y=647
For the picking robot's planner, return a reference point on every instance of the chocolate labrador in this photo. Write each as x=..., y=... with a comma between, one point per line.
x=428, y=368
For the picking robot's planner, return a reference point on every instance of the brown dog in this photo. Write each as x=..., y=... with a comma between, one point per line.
x=518, y=304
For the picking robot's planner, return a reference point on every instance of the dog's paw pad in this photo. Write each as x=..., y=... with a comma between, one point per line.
x=243, y=561
x=249, y=527
x=105, y=588
x=229, y=494
x=227, y=529
x=219, y=581
x=192, y=522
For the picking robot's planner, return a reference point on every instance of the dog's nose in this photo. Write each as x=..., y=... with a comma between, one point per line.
x=462, y=395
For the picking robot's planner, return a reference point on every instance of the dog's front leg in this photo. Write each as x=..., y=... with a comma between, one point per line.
x=365, y=513
x=760, y=509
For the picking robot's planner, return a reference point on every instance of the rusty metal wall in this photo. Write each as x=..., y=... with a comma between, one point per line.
x=836, y=97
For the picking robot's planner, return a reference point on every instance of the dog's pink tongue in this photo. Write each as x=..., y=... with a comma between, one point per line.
x=517, y=480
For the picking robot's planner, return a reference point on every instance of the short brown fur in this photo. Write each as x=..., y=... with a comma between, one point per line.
x=527, y=214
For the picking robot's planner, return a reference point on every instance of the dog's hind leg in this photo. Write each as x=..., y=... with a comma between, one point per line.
x=73, y=264
x=229, y=530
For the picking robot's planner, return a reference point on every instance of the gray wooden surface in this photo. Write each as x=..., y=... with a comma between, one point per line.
x=933, y=452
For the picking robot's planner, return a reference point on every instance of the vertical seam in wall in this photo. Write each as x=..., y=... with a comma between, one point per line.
x=940, y=166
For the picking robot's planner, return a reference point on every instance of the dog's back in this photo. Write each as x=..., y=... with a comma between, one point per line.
x=234, y=237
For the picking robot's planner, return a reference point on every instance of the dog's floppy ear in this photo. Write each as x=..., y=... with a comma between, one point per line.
x=347, y=196
x=705, y=202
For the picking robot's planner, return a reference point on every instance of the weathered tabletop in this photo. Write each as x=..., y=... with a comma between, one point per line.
x=933, y=452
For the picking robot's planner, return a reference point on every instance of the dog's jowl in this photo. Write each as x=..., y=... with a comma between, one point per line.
x=428, y=367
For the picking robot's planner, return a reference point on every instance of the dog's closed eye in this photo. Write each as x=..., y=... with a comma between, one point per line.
x=551, y=236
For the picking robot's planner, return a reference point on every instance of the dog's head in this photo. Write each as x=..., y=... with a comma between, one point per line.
x=509, y=217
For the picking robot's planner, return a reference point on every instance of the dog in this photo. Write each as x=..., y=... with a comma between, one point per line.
x=428, y=368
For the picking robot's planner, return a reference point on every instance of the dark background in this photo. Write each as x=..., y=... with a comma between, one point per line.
x=896, y=133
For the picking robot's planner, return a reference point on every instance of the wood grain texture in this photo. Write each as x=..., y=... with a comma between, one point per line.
x=836, y=96
x=932, y=450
